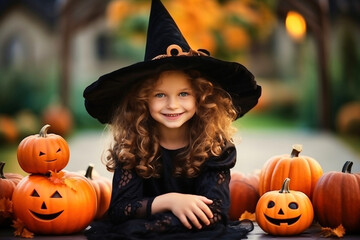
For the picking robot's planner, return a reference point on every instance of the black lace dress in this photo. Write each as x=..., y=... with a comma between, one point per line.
x=129, y=216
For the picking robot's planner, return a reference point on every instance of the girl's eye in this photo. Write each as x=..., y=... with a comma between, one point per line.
x=159, y=95
x=183, y=94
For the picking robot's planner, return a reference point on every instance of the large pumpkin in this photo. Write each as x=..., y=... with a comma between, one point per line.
x=303, y=171
x=8, y=182
x=336, y=199
x=244, y=194
x=284, y=212
x=102, y=186
x=55, y=206
x=42, y=152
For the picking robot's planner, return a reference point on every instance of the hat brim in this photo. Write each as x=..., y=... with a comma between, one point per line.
x=103, y=96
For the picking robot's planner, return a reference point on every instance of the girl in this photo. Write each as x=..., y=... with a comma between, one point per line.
x=171, y=119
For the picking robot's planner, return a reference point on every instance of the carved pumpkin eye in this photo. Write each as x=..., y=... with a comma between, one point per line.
x=271, y=204
x=35, y=194
x=41, y=153
x=293, y=205
x=59, y=150
x=56, y=194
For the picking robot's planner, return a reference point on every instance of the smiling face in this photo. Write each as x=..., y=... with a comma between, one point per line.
x=172, y=102
x=38, y=154
x=284, y=213
x=49, y=208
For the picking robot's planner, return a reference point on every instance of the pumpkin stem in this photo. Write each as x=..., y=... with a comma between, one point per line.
x=285, y=186
x=43, y=130
x=2, y=164
x=89, y=171
x=297, y=148
x=347, y=167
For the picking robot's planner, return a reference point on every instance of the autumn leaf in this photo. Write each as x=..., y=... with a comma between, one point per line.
x=20, y=229
x=333, y=232
x=57, y=177
x=248, y=215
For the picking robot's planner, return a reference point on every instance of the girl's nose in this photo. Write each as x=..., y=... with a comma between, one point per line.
x=173, y=102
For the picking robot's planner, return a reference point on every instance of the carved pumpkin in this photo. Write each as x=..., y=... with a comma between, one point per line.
x=336, y=199
x=8, y=182
x=55, y=206
x=303, y=171
x=102, y=188
x=284, y=212
x=42, y=152
x=244, y=194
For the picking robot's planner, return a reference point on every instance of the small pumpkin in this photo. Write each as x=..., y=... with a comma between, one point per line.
x=284, y=212
x=244, y=194
x=8, y=182
x=303, y=171
x=55, y=205
x=43, y=152
x=336, y=199
x=102, y=186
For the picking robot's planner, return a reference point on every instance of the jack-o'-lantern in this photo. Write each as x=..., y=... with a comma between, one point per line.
x=42, y=152
x=284, y=212
x=55, y=206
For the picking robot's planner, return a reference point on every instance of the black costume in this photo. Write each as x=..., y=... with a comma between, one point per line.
x=129, y=215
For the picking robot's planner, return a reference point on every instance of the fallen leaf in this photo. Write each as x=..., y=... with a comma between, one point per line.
x=20, y=229
x=57, y=177
x=6, y=205
x=333, y=232
x=248, y=215
x=27, y=234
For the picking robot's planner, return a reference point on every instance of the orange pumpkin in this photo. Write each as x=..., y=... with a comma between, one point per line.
x=43, y=152
x=244, y=194
x=336, y=199
x=60, y=118
x=284, y=212
x=55, y=206
x=303, y=171
x=8, y=182
x=102, y=188
x=8, y=130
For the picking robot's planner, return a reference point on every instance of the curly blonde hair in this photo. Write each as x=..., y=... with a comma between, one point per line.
x=136, y=139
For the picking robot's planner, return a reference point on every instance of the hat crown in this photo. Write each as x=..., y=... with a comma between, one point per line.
x=162, y=32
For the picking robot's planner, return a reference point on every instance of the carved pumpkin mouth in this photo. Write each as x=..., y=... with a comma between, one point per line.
x=277, y=222
x=51, y=160
x=46, y=216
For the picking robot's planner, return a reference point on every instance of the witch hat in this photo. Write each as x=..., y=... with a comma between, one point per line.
x=166, y=48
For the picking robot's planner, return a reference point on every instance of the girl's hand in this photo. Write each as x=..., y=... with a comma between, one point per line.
x=188, y=208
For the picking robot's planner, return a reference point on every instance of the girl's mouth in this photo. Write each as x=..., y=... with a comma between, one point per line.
x=172, y=115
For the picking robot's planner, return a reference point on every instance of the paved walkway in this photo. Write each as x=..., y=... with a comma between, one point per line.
x=254, y=147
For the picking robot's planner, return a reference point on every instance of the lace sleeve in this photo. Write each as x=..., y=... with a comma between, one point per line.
x=127, y=199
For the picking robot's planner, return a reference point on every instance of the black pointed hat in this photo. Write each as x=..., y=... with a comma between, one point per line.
x=166, y=48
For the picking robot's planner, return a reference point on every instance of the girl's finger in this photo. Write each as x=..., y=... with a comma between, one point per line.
x=193, y=219
x=183, y=219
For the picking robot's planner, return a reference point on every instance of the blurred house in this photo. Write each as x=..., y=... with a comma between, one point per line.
x=33, y=33
x=28, y=35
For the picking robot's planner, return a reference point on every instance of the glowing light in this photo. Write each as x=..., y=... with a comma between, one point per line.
x=295, y=25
